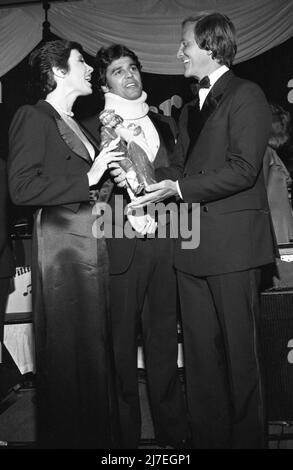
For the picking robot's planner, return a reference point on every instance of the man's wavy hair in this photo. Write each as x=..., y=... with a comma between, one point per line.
x=106, y=55
x=44, y=58
x=215, y=32
x=280, y=131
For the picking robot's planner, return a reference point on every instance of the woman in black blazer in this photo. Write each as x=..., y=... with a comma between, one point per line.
x=52, y=165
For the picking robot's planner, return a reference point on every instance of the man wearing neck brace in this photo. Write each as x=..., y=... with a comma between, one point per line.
x=143, y=291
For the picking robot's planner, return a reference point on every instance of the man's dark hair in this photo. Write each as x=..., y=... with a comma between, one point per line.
x=106, y=55
x=44, y=58
x=215, y=32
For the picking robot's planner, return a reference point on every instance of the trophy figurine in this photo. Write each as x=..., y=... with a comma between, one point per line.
x=136, y=164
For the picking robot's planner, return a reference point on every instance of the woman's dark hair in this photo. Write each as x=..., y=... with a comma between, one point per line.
x=216, y=33
x=106, y=55
x=44, y=58
x=280, y=131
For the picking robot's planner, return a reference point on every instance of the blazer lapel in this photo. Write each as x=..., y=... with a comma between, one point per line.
x=72, y=140
x=166, y=140
x=197, y=119
x=66, y=133
x=214, y=97
x=209, y=106
x=163, y=128
x=194, y=122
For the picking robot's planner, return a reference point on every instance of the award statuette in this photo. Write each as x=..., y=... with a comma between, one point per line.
x=136, y=164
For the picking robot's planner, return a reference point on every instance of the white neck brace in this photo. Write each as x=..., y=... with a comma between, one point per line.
x=127, y=109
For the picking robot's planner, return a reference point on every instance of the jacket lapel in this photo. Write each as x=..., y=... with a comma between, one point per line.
x=72, y=140
x=167, y=140
x=163, y=128
x=197, y=119
x=214, y=97
x=66, y=133
x=209, y=106
x=194, y=122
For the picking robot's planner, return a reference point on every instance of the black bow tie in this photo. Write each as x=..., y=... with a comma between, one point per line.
x=203, y=83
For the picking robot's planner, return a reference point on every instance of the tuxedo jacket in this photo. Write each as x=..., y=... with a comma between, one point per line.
x=225, y=144
x=7, y=267
x=48, y=164
x=121, y=250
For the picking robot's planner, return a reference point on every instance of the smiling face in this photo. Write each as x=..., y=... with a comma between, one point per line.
x=197, y=62
x=123, y=79
x=79, y=74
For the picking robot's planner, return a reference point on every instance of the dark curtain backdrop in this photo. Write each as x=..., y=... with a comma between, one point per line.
x=271, y=70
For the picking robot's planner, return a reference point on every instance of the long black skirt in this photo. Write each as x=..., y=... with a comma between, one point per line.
x=76, y=403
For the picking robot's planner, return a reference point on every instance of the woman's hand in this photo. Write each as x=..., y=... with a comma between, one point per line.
x=100, y=165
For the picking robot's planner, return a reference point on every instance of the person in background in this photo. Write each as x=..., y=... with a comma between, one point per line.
x=228, y=125
x=143, y=292
x=54, y=165
x=277, y=176
x=7, y=264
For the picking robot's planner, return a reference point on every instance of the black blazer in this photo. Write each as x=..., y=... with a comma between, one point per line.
x=47, y=163
x=121, y=250
x=225, y=144
x=7, y=266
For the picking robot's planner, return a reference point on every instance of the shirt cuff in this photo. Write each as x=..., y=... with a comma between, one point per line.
x=178, y=189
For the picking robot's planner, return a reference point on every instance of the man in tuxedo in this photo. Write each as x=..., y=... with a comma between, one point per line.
x=227, y=127
x=143, y=290
x=7, y=268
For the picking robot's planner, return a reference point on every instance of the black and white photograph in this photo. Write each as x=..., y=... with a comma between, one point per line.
x=146, y=227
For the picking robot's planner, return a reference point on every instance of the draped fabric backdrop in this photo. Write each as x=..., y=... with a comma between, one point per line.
x=149, y=27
